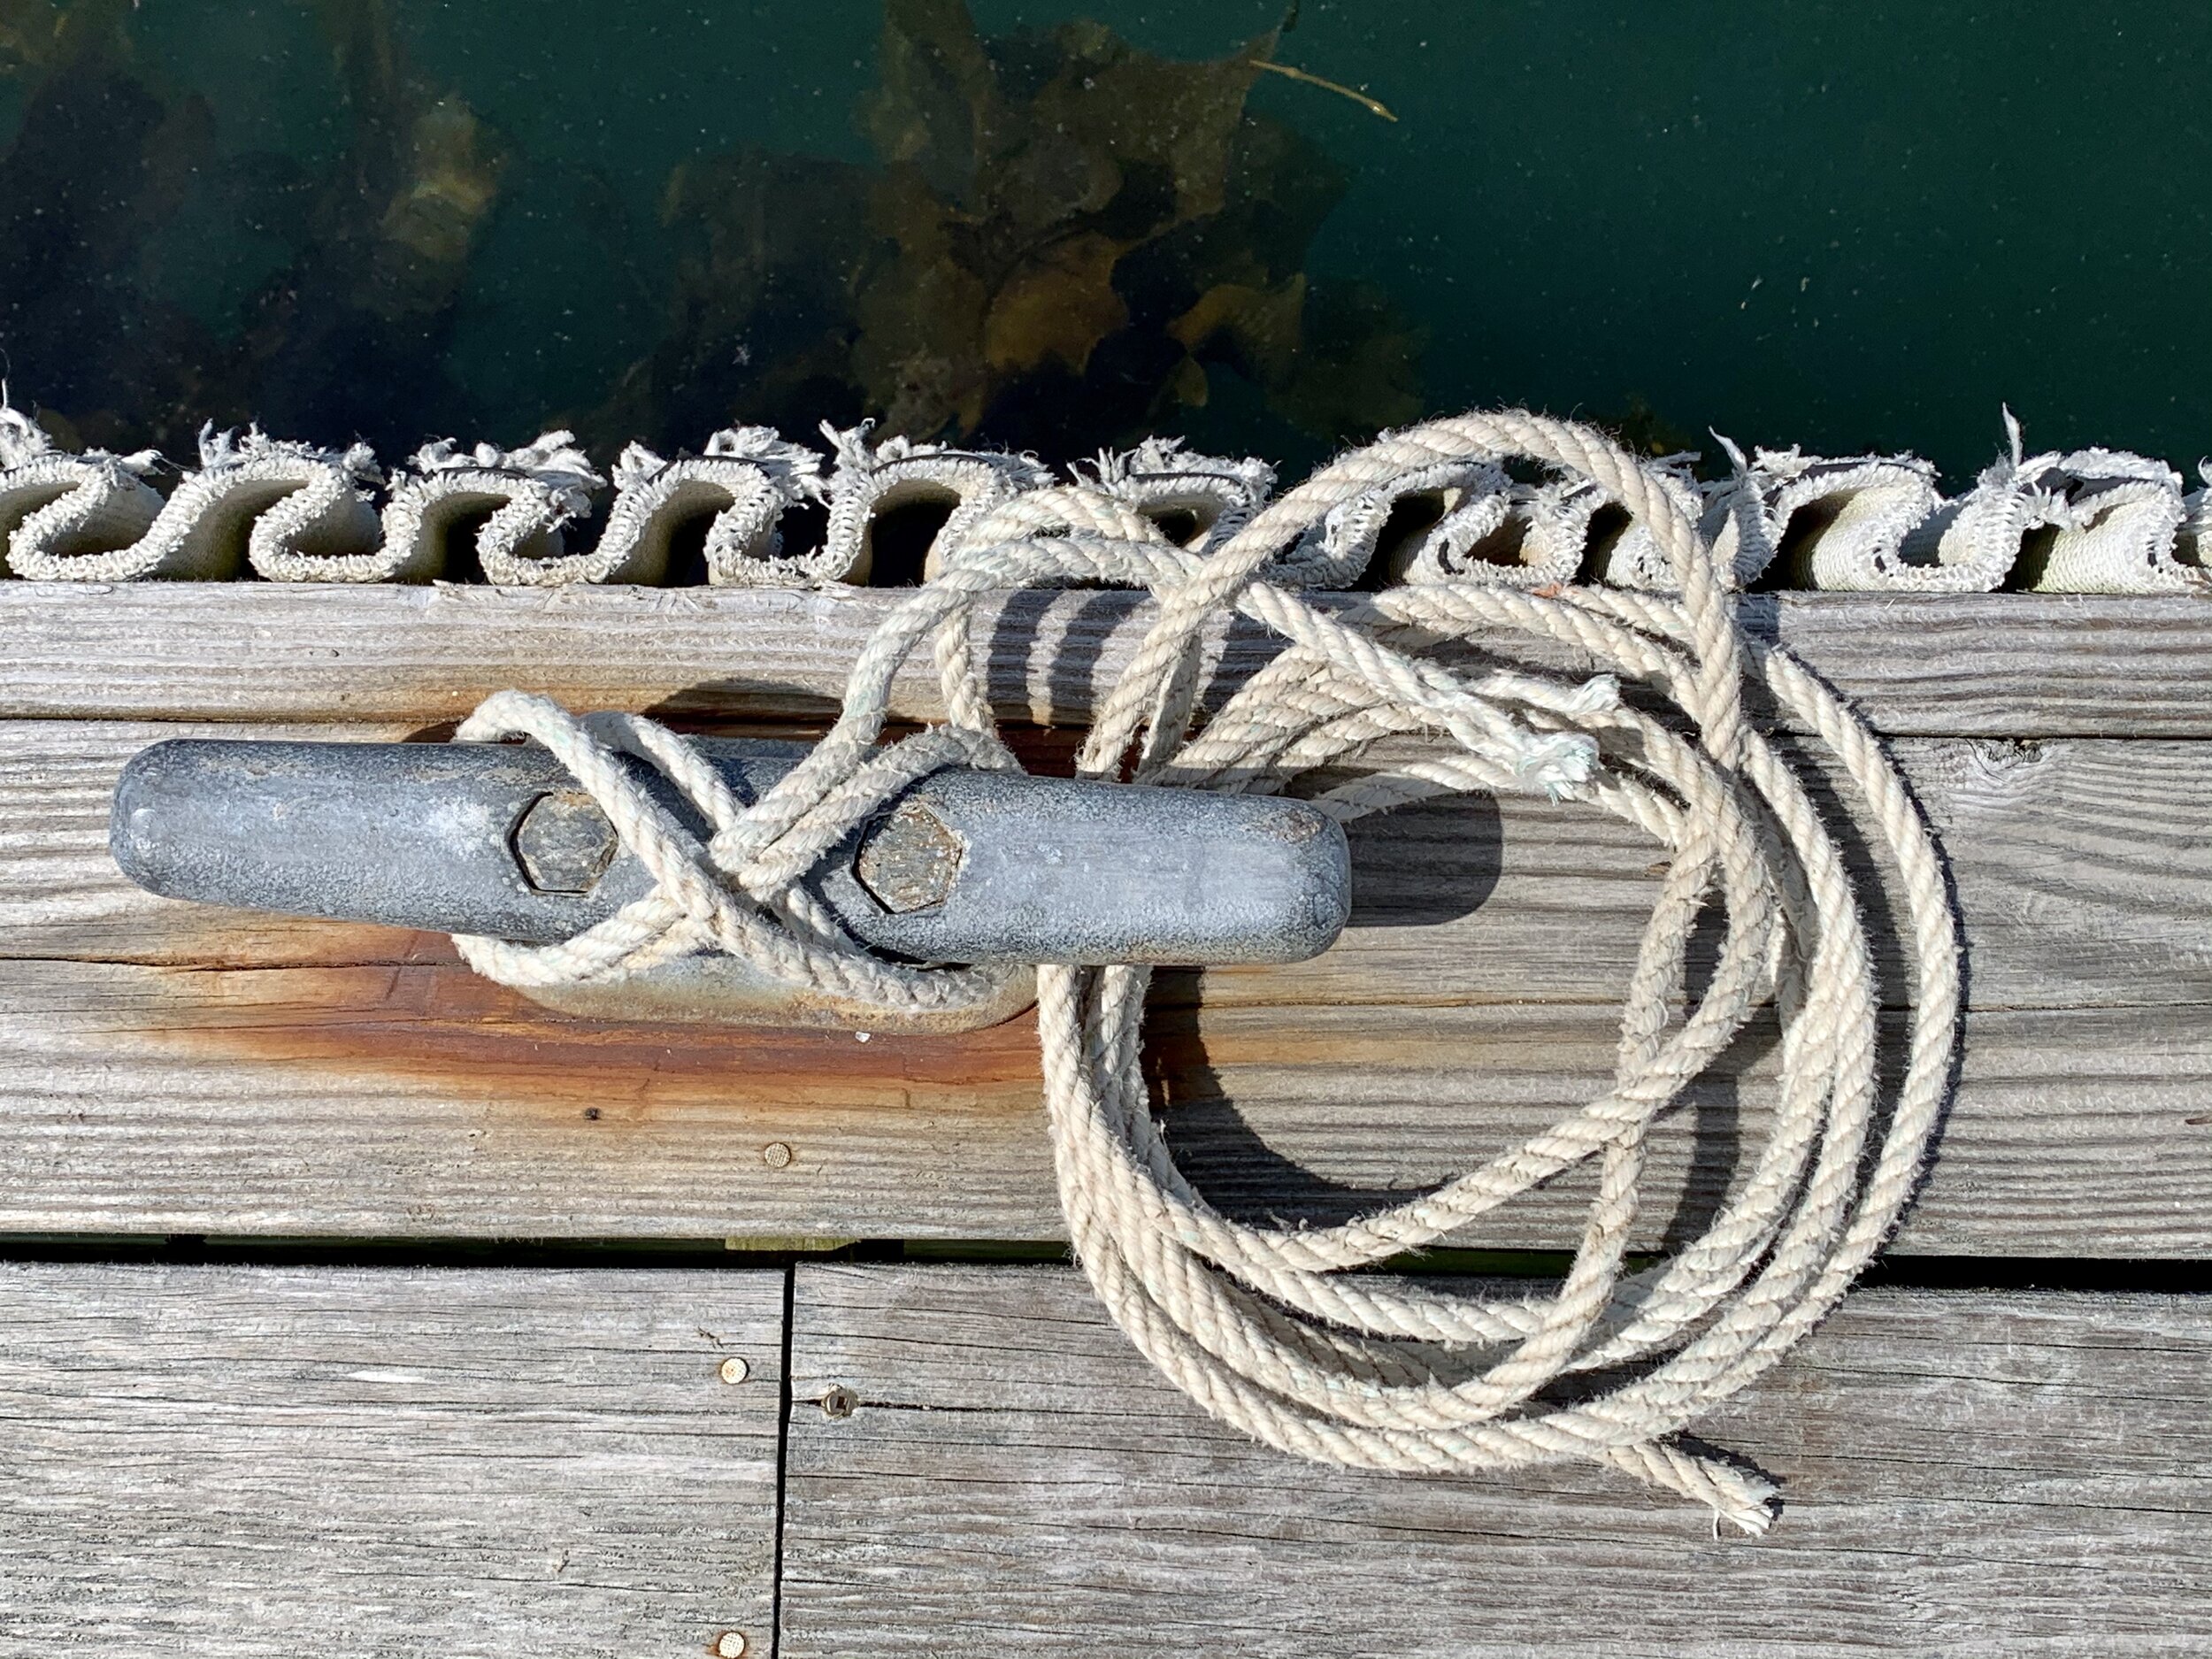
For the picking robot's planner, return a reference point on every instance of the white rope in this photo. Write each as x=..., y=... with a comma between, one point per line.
x=1271, y=1328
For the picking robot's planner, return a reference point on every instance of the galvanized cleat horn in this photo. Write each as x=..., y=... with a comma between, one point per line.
x=962, y=866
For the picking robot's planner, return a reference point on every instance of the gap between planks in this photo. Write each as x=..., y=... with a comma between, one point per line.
x=239, y=1462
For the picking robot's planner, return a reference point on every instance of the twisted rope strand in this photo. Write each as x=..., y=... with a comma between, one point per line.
x=1269, y=1328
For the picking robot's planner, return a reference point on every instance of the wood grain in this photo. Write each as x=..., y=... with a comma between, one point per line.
x=61, y=894
x=272, y=1461
x=422, y=1100
x=227, y=1462
x=2082, y=870
x=1963, y=1474
x=171, y=1067
x=1986, y=665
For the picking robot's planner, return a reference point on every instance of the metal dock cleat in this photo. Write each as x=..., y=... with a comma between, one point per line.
x=962, y=866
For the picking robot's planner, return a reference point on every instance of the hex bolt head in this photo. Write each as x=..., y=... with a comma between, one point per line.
x=911, y=861
x=563, y=842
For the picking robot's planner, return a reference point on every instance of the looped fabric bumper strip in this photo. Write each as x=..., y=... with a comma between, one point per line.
x=2094, y=520
x=1271, y=1328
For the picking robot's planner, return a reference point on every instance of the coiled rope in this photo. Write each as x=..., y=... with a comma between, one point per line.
x=1266, y=1327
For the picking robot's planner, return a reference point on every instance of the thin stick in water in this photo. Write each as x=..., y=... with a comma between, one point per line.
x=1373, y=106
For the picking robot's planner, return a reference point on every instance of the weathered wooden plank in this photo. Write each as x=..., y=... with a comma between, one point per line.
x=378, y=1088
x=231, y=1462
x=2001, y=665
x=1963, y=1474
x=2082, y=871
x=372, y=1087
x=420, y=1099
x=61, y=894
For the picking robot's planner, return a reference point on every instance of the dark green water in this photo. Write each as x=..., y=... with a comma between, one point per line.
x=1850, y=226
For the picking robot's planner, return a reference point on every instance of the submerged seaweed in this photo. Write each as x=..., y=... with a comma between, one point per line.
x=1062, y=240
x=347, y=338
x=1063, y=243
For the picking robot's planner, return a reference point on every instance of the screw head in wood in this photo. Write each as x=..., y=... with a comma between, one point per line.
x=838, y=1401
x=730, y=1644
x=776, y=1155
x=733, y=1370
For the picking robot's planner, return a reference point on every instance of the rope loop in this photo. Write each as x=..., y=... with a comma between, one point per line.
x=1275, y=1329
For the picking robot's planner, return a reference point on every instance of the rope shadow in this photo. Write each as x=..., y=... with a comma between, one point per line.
x=1055, y=640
